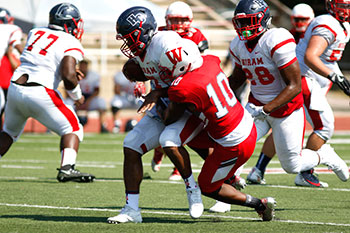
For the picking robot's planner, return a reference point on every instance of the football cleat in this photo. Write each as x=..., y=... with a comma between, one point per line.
x=126, y=215
x=308, y=179
x=157, y=159
x=239, y=183
x=269, y=212
x=220, y=207
x=155, y=166
x=175, y=175
x=330, y=158
x=69, y=173
x=255, y=176
x=196, y=207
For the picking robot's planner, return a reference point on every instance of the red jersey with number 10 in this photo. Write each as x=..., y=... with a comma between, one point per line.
x=208, y=89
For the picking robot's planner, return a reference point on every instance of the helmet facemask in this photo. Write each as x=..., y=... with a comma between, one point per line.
x=249, y=26
x=300, y=23
x=132, y=45
x=178, y=23
x=340, y=9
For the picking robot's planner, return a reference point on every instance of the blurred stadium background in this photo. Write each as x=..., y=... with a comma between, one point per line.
x=213, y=17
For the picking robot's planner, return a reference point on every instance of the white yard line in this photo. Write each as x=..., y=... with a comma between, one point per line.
x=168, y=213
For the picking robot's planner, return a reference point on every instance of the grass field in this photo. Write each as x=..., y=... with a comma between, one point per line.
x=31, y=200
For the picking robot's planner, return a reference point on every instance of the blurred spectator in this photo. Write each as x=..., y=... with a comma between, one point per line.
x=90, y=87
x=124, y=98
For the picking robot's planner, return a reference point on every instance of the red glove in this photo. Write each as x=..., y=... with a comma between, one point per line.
x=139, y=89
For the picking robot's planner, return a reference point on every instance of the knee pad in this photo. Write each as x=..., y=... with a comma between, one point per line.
x=291, y=167
x=326, y=132
x=131, y=142
x=170, y=138
x=80, y=133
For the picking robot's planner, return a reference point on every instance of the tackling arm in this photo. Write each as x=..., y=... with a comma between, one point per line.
x=173, y=112
x=237, y=78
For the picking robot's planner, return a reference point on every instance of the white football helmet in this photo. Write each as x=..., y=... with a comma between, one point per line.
x=179, y=59
x=178, y=17
x=301, y=16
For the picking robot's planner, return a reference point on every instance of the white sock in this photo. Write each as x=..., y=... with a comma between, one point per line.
x=132, y=200
x=69, y=156
x=190, y=182
x=309, y=159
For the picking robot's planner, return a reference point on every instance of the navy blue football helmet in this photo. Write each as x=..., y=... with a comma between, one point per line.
x=5, y=16
x=251, y=18
x=66, y=17
x=136, y=27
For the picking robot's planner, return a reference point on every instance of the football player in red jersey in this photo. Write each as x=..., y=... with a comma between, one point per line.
x=202, y=88
x=179, y=18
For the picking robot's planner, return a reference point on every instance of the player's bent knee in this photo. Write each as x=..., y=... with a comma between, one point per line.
x=169, y=138
x=326, y=132
x=131, y=142
x=290, y=168
x=79, y=133
x=207, y=186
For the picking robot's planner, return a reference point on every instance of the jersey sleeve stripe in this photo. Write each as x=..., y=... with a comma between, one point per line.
x=287, y=64
x=74, y=49
x=326, y=26
x=273, y=50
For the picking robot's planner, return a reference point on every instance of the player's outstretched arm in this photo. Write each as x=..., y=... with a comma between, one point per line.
x=174, y=112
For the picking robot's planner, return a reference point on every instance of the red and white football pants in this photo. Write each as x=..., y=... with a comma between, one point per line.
x=43, y=104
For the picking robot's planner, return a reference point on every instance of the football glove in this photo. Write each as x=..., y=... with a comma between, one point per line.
x=257, y=112
x=139, y=89
x=341, y=81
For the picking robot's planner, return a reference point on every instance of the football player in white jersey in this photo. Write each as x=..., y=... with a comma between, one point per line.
x=269, y=62
x=50, y=55
x=317, y=53
x=11, y=35
x=137, y=27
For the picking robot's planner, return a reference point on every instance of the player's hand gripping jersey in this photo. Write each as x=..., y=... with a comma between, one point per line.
x=43, y=53
x=208, y=89
x=262, y=66
x=337, y=34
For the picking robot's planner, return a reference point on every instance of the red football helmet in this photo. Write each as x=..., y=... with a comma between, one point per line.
x=340, y=9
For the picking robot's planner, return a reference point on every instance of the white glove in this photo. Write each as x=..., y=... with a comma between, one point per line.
x=257, y=112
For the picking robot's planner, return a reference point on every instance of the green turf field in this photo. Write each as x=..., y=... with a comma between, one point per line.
x=31, y=200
